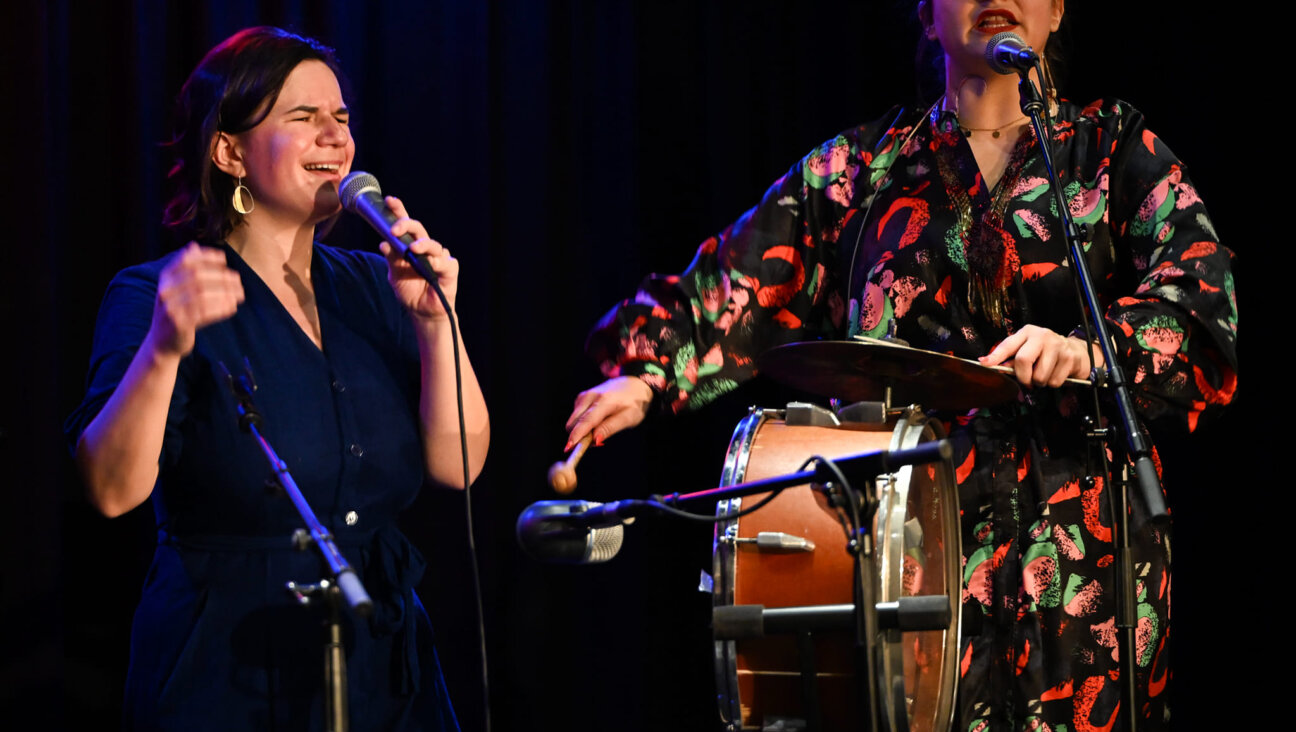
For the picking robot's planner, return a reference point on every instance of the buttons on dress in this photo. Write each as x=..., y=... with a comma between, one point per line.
x=351, y=518
x=356, y=449
x=338, y=386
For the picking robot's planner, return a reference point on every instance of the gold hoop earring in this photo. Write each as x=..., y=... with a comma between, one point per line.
x=243, y=201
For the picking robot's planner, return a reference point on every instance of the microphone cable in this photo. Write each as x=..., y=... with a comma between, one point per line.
x=474, y=559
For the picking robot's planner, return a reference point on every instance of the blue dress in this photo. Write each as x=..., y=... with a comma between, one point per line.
x=218, y=643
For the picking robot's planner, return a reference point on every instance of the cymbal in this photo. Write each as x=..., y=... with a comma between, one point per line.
x=859, y=371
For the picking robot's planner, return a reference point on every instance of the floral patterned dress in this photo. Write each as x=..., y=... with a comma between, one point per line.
x=889, y=230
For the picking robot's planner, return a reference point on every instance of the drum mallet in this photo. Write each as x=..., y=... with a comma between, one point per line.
x=562, y=474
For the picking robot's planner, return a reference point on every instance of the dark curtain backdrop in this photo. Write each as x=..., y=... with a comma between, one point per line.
x=562, y=150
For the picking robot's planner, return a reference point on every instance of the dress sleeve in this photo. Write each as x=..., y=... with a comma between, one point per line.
x=1177, y=333
x=125, y=316
x=767, y=279
x=399, y=322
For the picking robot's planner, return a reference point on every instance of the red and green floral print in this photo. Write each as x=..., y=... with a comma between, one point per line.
x=889, y=230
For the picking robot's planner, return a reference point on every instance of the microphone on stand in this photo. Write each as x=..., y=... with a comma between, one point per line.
x=574, y=532
x=1007, y=53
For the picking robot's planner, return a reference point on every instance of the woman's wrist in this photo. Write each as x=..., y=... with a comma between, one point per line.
x=1091, y=354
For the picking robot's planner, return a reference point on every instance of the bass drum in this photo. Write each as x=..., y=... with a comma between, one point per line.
x=759, y=681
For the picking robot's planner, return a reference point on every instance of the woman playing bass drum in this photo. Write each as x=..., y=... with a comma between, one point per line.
x=934, y=225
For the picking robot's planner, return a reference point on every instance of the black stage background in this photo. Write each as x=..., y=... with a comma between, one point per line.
x=562, y=150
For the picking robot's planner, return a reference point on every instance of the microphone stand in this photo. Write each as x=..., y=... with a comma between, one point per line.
x=341, y=581
x=871, y=464
x=1138, y=449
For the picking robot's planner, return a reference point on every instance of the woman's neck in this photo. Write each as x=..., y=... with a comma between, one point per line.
x=281, y=257
x=271, y=250
x=983, y=102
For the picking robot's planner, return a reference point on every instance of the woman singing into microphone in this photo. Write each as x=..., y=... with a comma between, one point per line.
x=935, y=225
x=354, y=365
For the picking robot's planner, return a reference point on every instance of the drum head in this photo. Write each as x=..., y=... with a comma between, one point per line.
x=918, y=533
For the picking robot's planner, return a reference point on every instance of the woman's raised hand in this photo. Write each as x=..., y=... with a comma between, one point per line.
x=196, y=289
x=615, y=405
x=410, y=287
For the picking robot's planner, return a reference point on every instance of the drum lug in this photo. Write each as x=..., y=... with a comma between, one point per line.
x=863, y=413
x=804, y=414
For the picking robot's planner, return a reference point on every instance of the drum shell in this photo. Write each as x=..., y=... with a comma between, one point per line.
x=760, y=678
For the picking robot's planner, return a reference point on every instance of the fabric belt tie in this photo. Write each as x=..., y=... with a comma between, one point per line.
x=399, y=568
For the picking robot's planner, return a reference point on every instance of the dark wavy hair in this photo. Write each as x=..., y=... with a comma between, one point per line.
x=231, y=90
x=929, y=62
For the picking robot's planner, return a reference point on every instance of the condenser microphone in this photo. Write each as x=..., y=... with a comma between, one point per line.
x=1007, y=53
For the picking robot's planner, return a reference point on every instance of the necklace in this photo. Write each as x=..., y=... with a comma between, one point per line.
x=995, y=132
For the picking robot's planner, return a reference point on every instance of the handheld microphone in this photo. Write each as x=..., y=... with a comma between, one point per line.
x=361, y=195
x=573, y=532
x=1007, y=53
